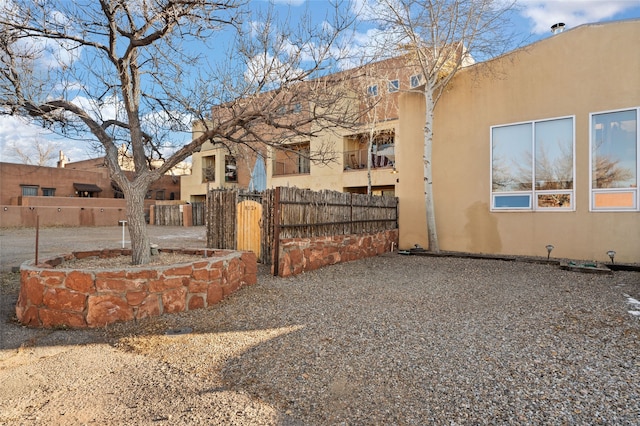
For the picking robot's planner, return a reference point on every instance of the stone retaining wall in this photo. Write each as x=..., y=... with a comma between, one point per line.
x=305, y=254
x=53, y=297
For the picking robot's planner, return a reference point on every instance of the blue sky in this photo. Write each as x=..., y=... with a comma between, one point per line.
x=533, y=20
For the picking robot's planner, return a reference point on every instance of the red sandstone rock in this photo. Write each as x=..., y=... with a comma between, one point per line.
x=215, y=273
x=51, y=278
x=198, y=286
x=174, y=300
x=120, y=285
x=150, y=307
x=107, y=309
x=195, y=302
x=64, y=300
x=214, y=294
x=79, y=281
x=200, y=274
x=134, y=298
x=28, y=316
x=165, y=284
x=178, y=271
x=142, y=275
x=53, y=318
x=32, y=290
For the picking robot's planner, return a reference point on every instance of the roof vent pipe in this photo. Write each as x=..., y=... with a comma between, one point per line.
x=557, y=28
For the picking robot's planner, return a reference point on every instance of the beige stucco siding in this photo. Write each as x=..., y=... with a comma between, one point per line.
x=585, y=70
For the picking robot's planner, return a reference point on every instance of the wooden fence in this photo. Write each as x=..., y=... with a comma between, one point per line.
x=298, y=213
x=168, y=215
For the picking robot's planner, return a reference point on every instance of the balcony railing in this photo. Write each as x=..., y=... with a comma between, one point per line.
x=292, y=166
x=357, y=160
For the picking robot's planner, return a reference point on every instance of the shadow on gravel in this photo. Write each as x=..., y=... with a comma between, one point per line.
x=409, y=340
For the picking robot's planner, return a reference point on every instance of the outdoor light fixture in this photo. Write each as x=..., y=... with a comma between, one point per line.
x=611, y=255
x=549, y=247
x=394, y=171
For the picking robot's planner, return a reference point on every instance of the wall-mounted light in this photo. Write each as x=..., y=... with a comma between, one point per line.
x=611, y=255
x=549, y=248
x=101, y=210
x=6, y=208
x=59, y=209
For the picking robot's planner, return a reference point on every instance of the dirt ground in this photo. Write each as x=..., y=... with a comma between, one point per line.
x=387, y=340
x=19, y=244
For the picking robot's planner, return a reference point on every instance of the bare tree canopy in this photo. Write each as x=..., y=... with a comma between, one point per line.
x=439, y=38
x=134, y=72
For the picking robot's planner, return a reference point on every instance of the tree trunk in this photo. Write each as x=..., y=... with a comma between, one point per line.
x=428, y=183
x=140, y=249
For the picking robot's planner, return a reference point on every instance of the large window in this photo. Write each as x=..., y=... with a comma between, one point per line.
x=292, y=159
x=532, y=165
x=614, y=160
x=29, y=190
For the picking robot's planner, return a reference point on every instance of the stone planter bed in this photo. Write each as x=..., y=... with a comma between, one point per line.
x=52, y=295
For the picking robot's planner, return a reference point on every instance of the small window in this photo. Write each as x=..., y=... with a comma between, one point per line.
x=372, y=90
x=230, y=170
x=48, y=192
x=297, y=108
x=160, y=194
x=415, y=80
x=394, y=86
x=209, y=168
x=29, y=191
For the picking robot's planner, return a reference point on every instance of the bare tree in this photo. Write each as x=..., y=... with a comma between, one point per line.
x=135, y=72
x=39, y=153
x=440, y=37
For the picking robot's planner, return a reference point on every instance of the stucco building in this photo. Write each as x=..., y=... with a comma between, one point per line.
x=537, y=147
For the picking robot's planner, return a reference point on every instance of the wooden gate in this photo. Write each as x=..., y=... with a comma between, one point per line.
x=249, y=217
x=197, y=214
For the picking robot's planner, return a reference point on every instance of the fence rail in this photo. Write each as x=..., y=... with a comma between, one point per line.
x=298, y=213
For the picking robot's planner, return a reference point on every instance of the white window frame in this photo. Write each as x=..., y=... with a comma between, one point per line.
x=533, y=193
x=594, y=191
x=372, y=90
x=394, y=86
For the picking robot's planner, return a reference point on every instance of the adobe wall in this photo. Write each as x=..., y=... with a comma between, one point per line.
x=61, y=211
x=54, y=297
x=298, y=255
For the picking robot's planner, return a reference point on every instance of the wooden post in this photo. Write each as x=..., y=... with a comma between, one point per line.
x=276, y=232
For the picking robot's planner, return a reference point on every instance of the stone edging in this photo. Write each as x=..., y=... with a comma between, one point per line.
x=305, y=254
x=59, y=297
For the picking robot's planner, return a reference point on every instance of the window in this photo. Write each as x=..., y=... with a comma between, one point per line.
x=394, y=86
x=160, y=194
x=209, y=168
x=48, y=192
x=29, y=190
x=532, y=165
x=614, y=160
x=292, y=159
x=297, y=108
x=372, y=90
x=415, y=80
x=230, y=170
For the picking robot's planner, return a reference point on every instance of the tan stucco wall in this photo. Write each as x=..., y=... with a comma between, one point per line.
x=584, y=70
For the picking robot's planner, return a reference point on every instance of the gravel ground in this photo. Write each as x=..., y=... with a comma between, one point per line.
x=389, y=340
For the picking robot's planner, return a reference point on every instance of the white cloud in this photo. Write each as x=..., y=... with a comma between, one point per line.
x=571, y=12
